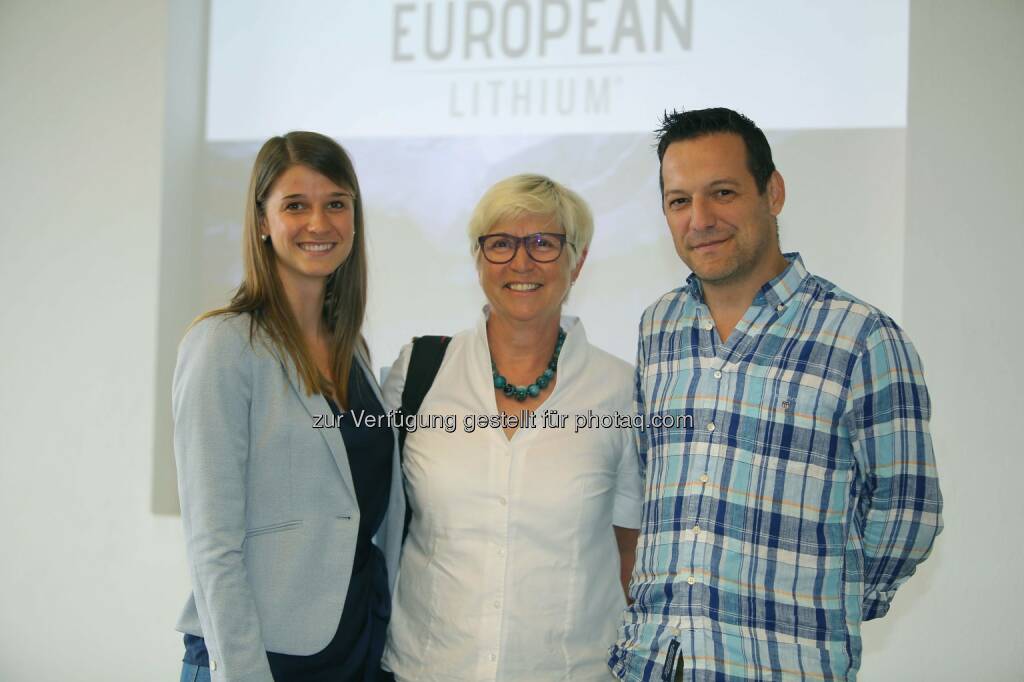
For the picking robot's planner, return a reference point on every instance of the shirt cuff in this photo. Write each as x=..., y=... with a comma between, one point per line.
x=627, y=511
x=876, y=604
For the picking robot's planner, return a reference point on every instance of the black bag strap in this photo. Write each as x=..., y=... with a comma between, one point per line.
x=424, y=362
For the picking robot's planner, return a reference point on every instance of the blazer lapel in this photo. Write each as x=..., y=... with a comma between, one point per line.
x=316, y=405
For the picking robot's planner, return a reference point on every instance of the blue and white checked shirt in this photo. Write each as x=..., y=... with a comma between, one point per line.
x=793, y=491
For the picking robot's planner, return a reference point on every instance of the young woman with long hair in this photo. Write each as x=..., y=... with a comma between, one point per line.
x=291, y=502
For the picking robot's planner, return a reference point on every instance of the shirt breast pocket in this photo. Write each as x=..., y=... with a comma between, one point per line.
x=799, y=426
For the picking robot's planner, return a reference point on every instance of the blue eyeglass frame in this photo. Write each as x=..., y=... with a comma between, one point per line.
x=523, y=241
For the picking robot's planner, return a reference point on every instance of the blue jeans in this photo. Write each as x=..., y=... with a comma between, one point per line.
x=194, y=673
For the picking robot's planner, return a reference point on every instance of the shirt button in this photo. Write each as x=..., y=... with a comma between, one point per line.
x=718, y=374
x=711, y=426
x=501, y=552
x=691, y=580
x=502, y=501
x=708, y=325
x=696, y=528
x=780, y=307
x=497, y=603
x=213, y=664
x=703, y=478
x=493, y=657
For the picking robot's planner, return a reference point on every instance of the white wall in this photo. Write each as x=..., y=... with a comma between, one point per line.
x=959, y=618
x=93, y=580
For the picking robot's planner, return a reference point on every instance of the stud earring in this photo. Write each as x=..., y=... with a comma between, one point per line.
x=265, y=238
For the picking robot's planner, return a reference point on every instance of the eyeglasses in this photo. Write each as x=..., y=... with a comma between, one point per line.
x=542, y=247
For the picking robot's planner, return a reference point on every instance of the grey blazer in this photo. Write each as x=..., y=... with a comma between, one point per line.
x=267, y=502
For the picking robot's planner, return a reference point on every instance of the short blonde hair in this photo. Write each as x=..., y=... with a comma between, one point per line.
x=529, y=193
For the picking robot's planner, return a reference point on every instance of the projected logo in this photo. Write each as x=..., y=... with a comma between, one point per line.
x=474, y=67
x=538, y=59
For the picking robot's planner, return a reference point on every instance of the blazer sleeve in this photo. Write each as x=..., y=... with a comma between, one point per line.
x=211, y=399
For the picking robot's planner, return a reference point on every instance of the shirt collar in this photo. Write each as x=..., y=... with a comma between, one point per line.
x=570, y=323
x=570, y=361
x=774, y=292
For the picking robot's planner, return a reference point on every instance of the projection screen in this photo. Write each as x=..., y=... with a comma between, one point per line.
x=436, y=101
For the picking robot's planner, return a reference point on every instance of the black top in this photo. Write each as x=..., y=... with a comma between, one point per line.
x=354, y=652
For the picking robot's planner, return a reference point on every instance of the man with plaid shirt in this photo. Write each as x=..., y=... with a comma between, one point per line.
x=802, y=491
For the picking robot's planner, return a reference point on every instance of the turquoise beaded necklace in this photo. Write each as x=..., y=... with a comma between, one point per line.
x=521, y=393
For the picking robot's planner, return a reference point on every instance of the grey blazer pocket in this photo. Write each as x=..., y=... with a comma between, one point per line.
x=273, y=528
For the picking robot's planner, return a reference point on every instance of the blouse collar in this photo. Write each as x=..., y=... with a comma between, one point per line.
x=571, y=360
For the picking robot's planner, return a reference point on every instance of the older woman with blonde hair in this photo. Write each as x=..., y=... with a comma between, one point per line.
x=292, y=510
x=522, y=534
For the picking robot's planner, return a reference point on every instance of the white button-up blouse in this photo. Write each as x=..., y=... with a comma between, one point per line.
x=511, y=570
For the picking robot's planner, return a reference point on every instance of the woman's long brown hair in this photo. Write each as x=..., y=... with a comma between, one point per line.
x=261, y=294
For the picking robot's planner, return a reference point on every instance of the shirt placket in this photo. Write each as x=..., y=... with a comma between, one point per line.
x=700, y=473
x=503, y=456
x=716, y=385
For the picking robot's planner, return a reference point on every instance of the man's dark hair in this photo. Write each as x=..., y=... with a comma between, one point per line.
x=687, y=125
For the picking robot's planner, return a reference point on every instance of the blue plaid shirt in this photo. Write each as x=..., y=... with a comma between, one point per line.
x=790, y=490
